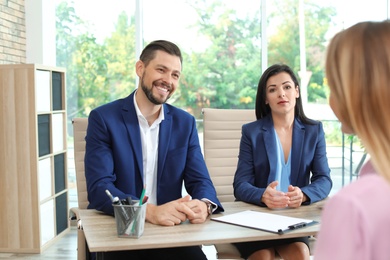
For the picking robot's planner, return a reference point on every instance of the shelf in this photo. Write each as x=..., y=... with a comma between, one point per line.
x=33, y=162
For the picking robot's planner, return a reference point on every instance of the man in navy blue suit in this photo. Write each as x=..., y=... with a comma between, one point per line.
x=141, y=142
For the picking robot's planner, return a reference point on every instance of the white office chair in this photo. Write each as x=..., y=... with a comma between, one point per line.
x=221, y=141
x=79, y=132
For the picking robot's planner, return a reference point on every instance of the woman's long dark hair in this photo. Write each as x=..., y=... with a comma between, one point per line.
x=263, y=109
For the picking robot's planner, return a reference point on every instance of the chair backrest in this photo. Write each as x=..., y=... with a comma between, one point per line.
x=221, y=141
x=79, y=132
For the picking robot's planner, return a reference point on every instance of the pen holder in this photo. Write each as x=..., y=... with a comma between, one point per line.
x=130, y=220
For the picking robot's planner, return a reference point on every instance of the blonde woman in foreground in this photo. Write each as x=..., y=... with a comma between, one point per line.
x=356, y=221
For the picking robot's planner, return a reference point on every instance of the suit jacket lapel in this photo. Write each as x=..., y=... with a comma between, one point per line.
x=297, y=149
x=270, y=147
x=164, y=139
x=131, y=122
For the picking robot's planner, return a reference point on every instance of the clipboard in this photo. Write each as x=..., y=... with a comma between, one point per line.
x=265, y=221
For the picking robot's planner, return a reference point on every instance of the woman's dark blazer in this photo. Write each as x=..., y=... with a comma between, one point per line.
x=258, y=158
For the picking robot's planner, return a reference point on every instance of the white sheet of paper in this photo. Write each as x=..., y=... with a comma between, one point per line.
x=260, y=220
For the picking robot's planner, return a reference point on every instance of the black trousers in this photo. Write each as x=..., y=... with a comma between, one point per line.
x=176, y=253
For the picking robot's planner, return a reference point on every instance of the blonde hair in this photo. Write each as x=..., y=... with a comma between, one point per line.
x=358, y=73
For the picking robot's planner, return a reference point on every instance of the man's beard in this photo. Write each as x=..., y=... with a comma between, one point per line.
x=149, y=94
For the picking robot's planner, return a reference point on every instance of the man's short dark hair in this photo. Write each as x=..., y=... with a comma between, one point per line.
x=149, y=52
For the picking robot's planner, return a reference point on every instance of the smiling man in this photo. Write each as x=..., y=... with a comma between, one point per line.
x=140, y=142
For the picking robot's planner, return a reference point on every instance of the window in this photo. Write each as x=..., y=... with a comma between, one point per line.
x=223, y=46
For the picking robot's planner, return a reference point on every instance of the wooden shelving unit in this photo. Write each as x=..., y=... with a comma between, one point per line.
x=33, y=157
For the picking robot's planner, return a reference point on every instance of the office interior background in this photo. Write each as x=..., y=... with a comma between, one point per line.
x=226, y=45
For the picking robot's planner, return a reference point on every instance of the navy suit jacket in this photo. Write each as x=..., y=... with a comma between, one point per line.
x=258, y=158
x=113, y=158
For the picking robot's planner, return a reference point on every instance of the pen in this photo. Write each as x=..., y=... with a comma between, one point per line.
x=117, y=201
x=298, y=225
x=110, y=196
x=129, y=200
x=141, y=199
x=145, y=199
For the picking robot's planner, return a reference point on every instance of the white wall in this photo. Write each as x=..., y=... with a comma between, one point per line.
x=40, y=32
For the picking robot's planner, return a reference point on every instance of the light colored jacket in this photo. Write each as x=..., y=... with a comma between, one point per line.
x=355, y=222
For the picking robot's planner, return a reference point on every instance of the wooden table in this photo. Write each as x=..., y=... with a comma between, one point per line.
x=101, y=236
